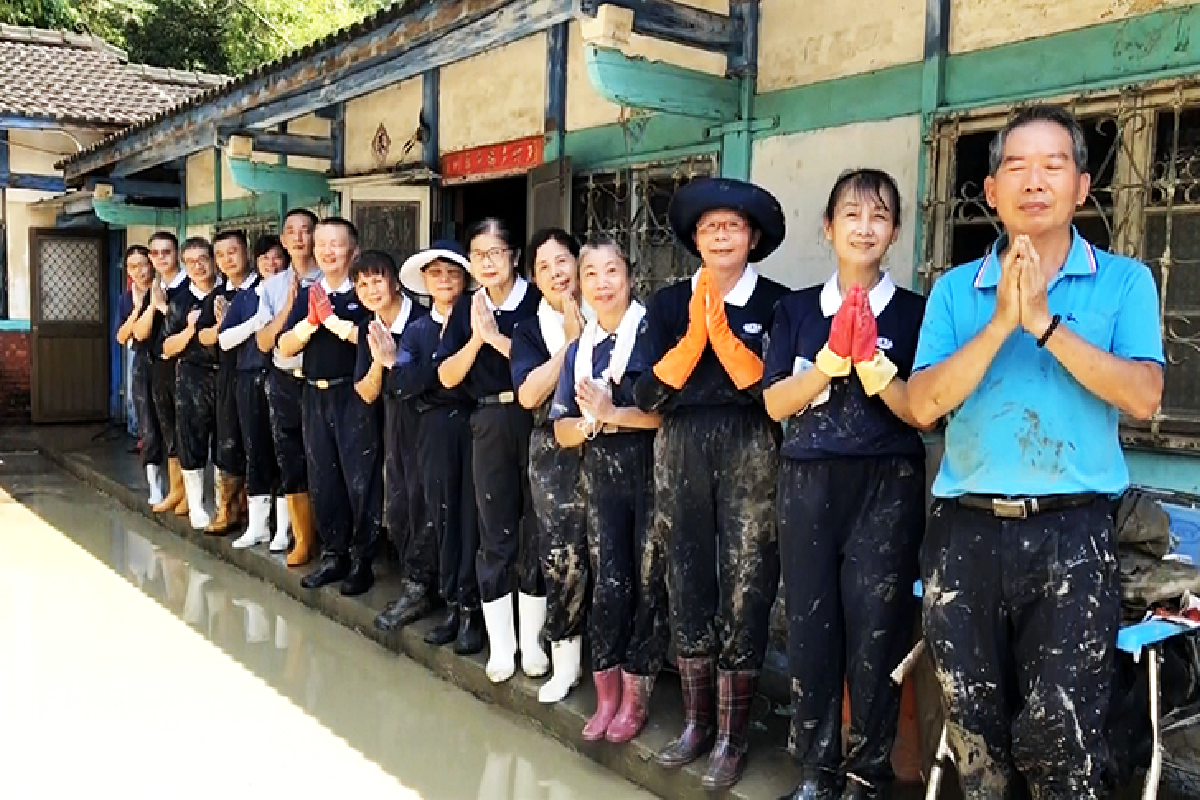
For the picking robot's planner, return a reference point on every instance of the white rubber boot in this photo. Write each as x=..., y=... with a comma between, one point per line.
x=502, y=639
x=193, y=487
x=531, y=616
x=154, y=477
x=283, y=521
x=258, y=530
x=566, y=656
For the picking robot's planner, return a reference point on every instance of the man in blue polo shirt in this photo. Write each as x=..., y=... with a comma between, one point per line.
x=1031, y=353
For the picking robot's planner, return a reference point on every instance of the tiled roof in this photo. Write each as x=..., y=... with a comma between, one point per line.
x=71, y=77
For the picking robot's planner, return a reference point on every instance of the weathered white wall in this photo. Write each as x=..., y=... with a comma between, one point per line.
x=815, y=40
x=22, y=217
x=201, y=174
x=800, y=170
x=493, y=97
x=139, y=234
x=398, y=108
x=976, y=24
x=35, y=152
x=308, y=125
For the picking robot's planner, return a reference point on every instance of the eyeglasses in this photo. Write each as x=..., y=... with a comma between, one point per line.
x=166, y=251
x=729, y=226
x=493, y=255
x=196, y=262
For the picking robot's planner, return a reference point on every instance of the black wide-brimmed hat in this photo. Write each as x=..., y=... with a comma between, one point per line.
x=758, y=205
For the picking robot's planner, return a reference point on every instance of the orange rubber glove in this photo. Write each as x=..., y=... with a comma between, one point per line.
x=677, y=365
x=739, y=361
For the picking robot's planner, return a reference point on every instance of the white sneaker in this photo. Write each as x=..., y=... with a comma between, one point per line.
x=502, y=639
x=531, y=616
x=154, y=479
x=193, y=487
x=566, y=656
x=283, y=521
x=258, y=529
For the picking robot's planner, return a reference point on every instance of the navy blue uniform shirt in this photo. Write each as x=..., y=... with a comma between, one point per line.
x=326, y=357
x=845, y=422
x=158, y=332
x=362, y=365
x=416, y=369
x=125, y=310
x=243, y=308
x=563, y=406
x=185, y=303
x=491, y=373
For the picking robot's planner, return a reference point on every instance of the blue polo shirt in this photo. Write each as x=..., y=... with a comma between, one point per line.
x=1030, y=428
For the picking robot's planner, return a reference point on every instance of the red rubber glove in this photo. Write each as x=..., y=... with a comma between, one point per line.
x=324, y=305
x=862, y=347
x=314, y=318
x=841, y=330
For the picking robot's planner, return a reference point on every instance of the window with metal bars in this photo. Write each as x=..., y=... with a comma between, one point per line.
x=630, y=205
x=1144, y=158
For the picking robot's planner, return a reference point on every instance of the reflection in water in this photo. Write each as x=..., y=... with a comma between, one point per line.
x=434, y=738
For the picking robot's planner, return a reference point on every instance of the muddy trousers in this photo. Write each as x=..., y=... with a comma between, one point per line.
x=404, y=500
x=715, y=472
x=254, y=422
x=444, y=442
x=285, y=394
x=554, y=476
x=508, y=556
x=345, y=470
x=154, y=450
x=196, y=407
x=163, y=376
x=1021, y=618
x=628, y=624
x=228, y=453
x=849, y=534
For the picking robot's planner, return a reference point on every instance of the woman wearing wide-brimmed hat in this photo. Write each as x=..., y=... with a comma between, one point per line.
x=443, y=442
x=716, y=457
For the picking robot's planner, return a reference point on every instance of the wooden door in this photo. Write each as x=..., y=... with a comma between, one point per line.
x=549, y=203
x=69, y=350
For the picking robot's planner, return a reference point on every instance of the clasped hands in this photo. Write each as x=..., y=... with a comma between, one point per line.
x=320, y=313
x=1021, y=292
x=853, y=341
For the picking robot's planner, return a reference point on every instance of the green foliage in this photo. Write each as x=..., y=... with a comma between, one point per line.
x=222, y=36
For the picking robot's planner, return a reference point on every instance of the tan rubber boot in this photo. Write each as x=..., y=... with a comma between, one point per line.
x=300, y=511
x=228, y=501
x=175, y=493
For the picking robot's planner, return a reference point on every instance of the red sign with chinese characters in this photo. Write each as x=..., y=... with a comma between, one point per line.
x=520, y=154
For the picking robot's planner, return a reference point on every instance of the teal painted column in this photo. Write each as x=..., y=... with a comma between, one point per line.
x=737, y=143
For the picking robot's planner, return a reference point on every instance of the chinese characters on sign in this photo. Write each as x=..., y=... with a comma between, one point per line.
x=520, y=154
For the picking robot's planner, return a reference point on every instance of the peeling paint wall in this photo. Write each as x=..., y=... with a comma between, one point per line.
x=22, y=217
x=814, y=41
x=493, y=97
x=800, y=170
x=976, y=24
x=398, y=109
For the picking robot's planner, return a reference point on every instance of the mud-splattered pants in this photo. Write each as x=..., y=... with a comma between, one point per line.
x=229, y=454
x=154, y=450
x=444, y=440
x=714, y=483
x=163, y=375
x=562, y=531
x=254, y=421
x=403, y=498
x=849, y=534
x=1021, y=617
x=508, y=555
x=196, y=409
x=628, y=625
x=284, y=398
x=345, y=468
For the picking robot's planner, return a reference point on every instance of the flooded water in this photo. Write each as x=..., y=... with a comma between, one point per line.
x=135, y=665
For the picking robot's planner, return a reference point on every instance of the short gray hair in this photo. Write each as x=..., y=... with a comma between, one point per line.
x=1040, y=113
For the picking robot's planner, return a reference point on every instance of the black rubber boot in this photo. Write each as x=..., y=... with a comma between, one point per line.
x=470, y=632
x=360, y=580
x=332, y=568
x=413, y=603
x=446, y=630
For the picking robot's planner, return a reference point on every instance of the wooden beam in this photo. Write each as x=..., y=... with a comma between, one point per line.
x=337, y=133
x=40, y=183
x=557, y=43
x=743, y=56
x=431, y=82
x=288, y=144
x=658, y=86
x=179, y=144
x=509, y=23
x=258, y=177
x=134, y=188
x=676, y=23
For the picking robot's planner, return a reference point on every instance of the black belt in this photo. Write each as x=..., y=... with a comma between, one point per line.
x=501, y=399
x=1023, y=507
x=327, y=383
x=209, y=367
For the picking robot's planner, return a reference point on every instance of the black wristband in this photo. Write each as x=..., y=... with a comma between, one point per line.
x=1057, y=318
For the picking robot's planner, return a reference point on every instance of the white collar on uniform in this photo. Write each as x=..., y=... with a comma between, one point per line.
x=878, y=297
x=345, y=287
x=180, y=277
x=249, y=281
x=515, y=296
x=199, y=295
x=739, y=295
x=436, y=315
x=401, y=320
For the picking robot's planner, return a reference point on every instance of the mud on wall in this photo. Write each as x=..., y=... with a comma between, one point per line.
x=801, y=168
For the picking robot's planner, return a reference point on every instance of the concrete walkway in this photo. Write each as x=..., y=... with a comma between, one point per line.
x=101, y=457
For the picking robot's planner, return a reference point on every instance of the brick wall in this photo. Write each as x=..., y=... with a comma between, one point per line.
x=14, y=376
